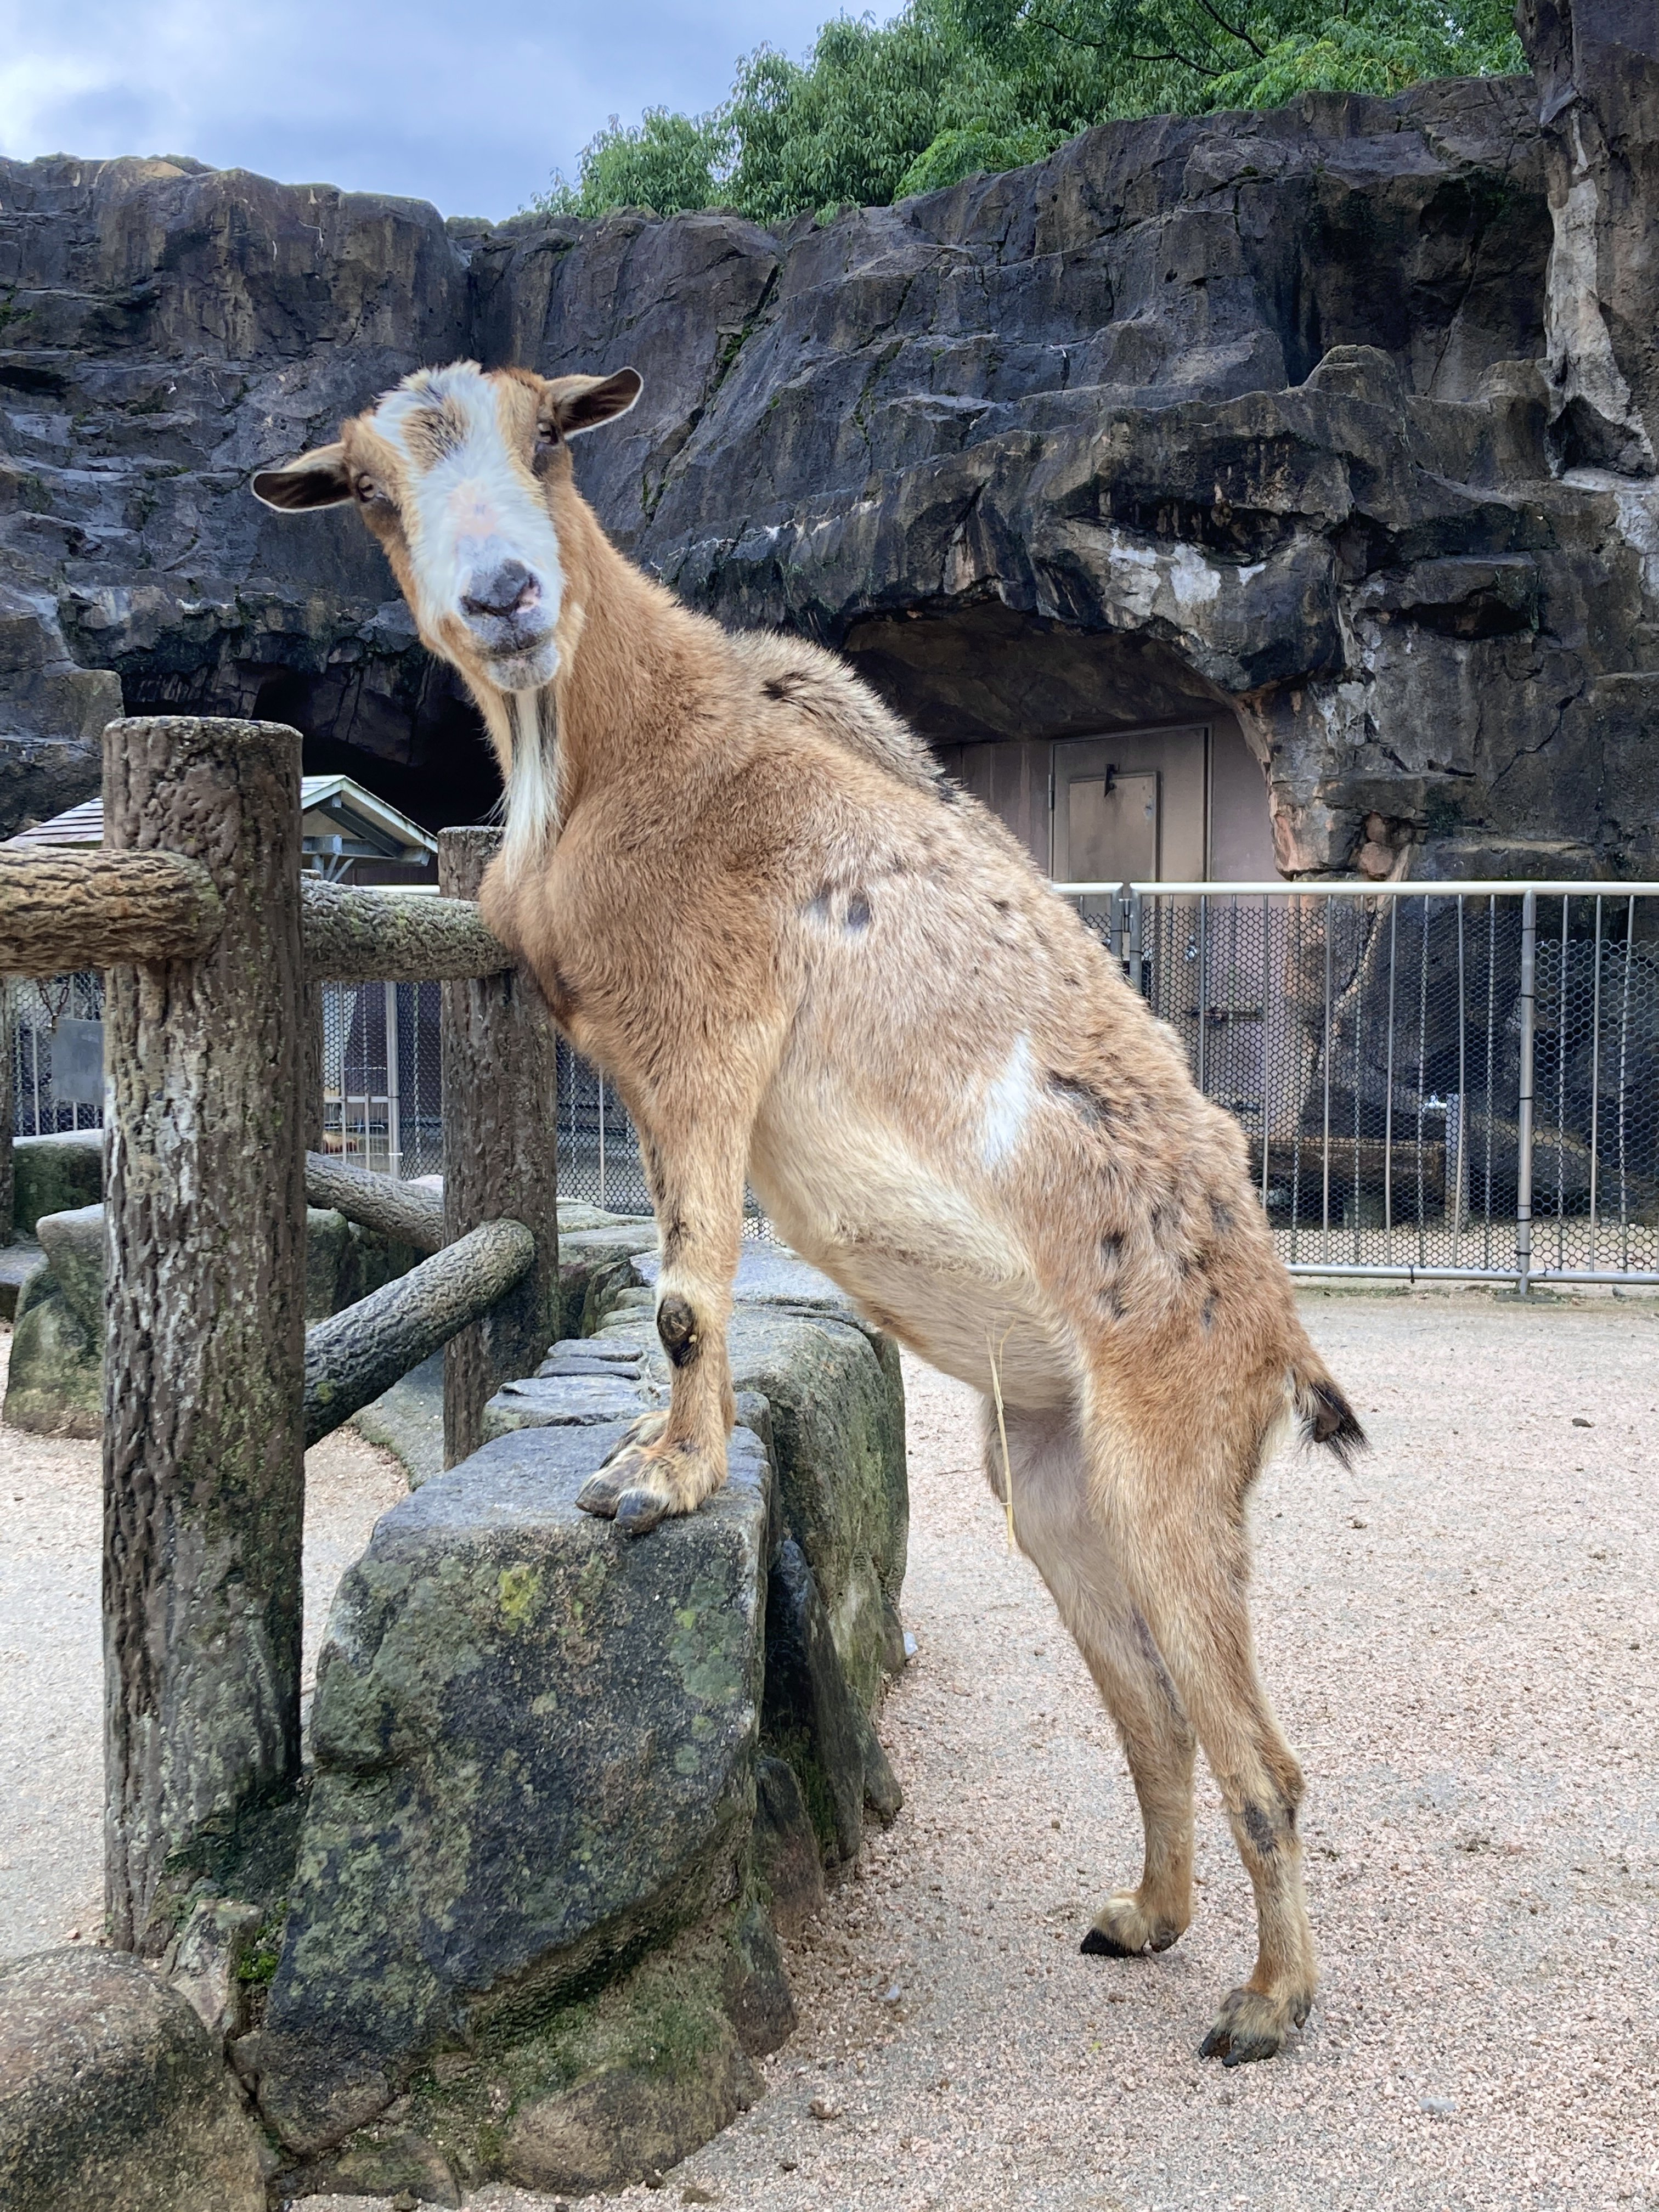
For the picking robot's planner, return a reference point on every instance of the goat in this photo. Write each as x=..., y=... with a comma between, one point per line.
x=804, y=956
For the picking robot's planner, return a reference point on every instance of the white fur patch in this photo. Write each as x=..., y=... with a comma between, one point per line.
x=471, y=508
x=1008, y=1106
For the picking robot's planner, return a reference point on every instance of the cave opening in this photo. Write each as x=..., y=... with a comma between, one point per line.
x=1107, y=756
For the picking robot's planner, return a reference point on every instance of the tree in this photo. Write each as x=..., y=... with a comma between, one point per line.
x=878, y=111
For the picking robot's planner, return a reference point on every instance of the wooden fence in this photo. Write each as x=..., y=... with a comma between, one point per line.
x=213, y=1388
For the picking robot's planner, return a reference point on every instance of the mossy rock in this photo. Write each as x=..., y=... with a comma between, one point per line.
x=534, y=1742
x=55, y=1385
x=112, y=2093
x=611, y=2089
x=55, y=1174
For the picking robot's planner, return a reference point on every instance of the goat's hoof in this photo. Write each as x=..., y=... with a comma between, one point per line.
x=1124, y=1928
x=599, y=1495
x=1252, y=2025
x=1097, y=1944
x=638, y=1512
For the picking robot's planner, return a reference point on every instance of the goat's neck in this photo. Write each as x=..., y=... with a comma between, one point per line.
x=622, y=660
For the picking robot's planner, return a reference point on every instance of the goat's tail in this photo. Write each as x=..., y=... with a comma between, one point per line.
x=1325, y=1416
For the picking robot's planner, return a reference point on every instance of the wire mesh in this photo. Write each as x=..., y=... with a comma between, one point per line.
x=1444, y=1080
x=1383, y=1053
x=46, y=1012
x=382, y=1109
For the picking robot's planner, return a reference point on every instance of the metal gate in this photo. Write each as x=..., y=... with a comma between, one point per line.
x=1454, y=1080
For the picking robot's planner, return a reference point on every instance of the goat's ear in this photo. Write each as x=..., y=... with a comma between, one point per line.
x=314, y=479
x=582, y=403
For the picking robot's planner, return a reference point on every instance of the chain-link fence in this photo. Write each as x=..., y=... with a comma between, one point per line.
x=57, y=1054
x=1453, y=1080
x=382, y=1077
x=1456, y=1080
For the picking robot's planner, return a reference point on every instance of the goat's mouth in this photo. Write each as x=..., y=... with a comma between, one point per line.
x=523, y=665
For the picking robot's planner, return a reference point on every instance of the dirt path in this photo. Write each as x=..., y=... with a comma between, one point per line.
x=1462, y=1636
x=52, y=1850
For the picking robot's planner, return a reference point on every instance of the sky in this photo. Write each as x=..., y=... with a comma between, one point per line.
x=471, y=106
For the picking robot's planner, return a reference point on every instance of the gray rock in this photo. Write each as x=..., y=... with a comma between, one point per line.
x=113, y=2094
x=328, y=1237
x=566, y=1401
x=1157, y=424
x=1597, y=83
x=785, y=1850
x=381, y=2161
x=534, y=1743
x=837, y=1401
x=595, y=1262
x=812, y=1717
x=18, y=1262
x=757, y=1991
x=629, y=2122
x=55, y=1386
x=206, y=1966
x=407, y=1421
x=56, y=1175
x=55, y=1382
x=74, y=1245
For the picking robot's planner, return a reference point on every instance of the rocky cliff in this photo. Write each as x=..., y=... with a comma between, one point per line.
x=1341, y=415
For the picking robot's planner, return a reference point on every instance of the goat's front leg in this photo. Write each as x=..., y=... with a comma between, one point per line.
x=670, y=1462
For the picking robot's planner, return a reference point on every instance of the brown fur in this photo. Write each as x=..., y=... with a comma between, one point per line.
x=805, y=959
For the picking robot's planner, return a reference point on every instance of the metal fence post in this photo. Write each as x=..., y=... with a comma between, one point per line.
x=1523, y=1109
x=394, y=1102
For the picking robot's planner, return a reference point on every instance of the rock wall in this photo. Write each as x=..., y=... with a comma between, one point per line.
x=1340, y=415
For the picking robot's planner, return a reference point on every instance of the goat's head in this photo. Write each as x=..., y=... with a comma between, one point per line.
x=452, y=472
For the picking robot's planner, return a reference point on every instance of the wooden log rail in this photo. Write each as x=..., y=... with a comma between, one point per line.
x=216, y=951
x=67, y=910
x=399, y=1209
x=389, y=937
x=358, y=1354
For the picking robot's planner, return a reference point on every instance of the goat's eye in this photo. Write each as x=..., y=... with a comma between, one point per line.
x=547, y=434
x=366, y=488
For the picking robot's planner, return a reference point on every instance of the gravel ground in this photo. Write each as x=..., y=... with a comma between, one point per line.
x=1461, y=1638
x=51, y=1665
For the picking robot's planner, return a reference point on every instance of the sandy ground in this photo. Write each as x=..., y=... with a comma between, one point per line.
x=51, y=1665
x=1462, y=1636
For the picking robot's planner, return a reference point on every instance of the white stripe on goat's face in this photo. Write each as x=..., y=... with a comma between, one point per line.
x=482, y=551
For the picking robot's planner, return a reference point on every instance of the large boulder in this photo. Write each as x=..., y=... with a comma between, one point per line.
x=833, y=1396
x=56, y=1175
x=113, y=2094
x=55, y=1382
x=534, y=1744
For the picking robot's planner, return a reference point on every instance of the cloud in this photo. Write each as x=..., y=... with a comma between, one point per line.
x=469, y=107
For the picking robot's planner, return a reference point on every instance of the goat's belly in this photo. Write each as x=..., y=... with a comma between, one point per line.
x=919, y=1258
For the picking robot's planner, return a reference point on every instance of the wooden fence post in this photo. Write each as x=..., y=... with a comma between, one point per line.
x=204, y=1211
x=311, y=1064
x=501, y=1118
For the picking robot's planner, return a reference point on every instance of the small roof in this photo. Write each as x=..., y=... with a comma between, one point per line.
x=337, y=818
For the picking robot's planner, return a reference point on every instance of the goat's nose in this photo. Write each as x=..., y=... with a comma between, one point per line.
x=506, y=589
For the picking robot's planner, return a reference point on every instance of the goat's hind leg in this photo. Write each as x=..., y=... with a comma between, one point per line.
x=1059, y=1532
x=1179, y=1530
